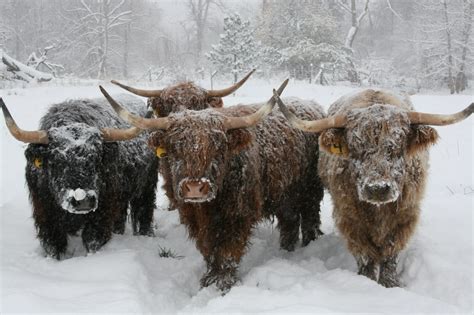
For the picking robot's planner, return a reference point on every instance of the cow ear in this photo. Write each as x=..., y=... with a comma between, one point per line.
x=239, y=139
x=216, y=102
x=154, y=141
x=420, y=138
x=332, y=141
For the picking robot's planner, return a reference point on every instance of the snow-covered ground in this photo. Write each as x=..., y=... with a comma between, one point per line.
x=129, y=276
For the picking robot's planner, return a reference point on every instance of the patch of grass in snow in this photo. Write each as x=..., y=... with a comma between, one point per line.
x=168, y=253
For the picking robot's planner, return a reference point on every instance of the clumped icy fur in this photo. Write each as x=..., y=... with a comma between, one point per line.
x=181, y=96
x=117, y=174
x=378, y=136
x=255, y=174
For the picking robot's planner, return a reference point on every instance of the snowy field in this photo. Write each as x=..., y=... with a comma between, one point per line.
x=129, y=276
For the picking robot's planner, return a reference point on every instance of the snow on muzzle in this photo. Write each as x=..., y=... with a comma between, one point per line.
x=196, y=190
x=378, y=192
x=79, y=201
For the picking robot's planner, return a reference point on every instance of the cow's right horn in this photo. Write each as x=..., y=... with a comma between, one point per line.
x=417, y=118
x=337, y=121
x=139, y=92
x=39, y=136
x=137, y=121
x=231, y=89
x=253, y=119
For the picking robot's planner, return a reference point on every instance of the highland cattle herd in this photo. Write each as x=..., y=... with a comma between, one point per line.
x=94, y=162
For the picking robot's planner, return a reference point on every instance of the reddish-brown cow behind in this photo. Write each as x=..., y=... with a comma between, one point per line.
x=374, y=161
x=225, y=175
x=185, y=95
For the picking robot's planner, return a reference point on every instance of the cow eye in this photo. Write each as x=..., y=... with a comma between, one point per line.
x=160, y=152
x=38, y=162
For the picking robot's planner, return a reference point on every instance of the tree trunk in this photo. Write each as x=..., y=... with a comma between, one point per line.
x=461, y=80
x=22, y=71
x=355, y=23
x=450, y=54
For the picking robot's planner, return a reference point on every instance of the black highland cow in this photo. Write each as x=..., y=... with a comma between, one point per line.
x=225, y=173
x=81, y=175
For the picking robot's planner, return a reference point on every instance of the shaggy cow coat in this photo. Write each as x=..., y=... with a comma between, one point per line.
x=253, y=173
x=110, y=175
x=181, y=96
x=375, y=169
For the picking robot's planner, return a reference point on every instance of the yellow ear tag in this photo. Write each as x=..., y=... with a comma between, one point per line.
x=336, y=148
x=38, y=162
x=160, y=152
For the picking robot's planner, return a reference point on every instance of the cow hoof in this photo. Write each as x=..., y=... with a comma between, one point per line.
x=149, y=233
x=223, y=282
x=390, y=282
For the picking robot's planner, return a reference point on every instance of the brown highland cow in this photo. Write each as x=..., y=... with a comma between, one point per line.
x=225, y=173
x=185, y=95
x=374, y=161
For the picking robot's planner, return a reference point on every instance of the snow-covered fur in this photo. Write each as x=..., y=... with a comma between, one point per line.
x=375, y=169
x=79, y=182
x=185, y=95
x=253, y=173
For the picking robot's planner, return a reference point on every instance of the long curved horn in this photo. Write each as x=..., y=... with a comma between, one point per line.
x=137, y=121
x=229, y=90
x=253, y=119
x=337, y=121
x=39, y=136
x=417, y=118
x=139, y=92
x=115, y=134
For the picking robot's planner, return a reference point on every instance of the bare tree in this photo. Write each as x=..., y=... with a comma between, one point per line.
x=444, y=32
x=355, y=20
x=461, y=80
x=97, y=26
x=449, y=44
x=199, y=15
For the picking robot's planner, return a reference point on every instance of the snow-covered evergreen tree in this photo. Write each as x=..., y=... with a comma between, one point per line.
x=237, y=51
x=306, y=35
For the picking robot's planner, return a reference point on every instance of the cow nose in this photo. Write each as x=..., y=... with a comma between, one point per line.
x=378, y=191
x=195, y=189
x=85, y=203
x=80, y=201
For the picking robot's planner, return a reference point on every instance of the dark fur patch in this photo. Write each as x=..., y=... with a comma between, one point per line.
x=121, y=173
x=260, y=172
x=182, y=96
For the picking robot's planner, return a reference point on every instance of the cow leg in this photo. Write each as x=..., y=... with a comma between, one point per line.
x=289, y=225
x=53, y=239
x=121, y=219
x=98, y=229
x=388, y=273
x=223, y=273
x=366, y=267
x=310, y=213
x=141, y=209
x=51, y=228
x=227, y=246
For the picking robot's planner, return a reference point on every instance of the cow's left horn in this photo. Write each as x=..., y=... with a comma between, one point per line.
x=139, y=92
x=39, y=136
x=417, y=118
x=253, y=119
x=137, y=121
x=114, y=134
x=337, y=121
x=231, y=89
